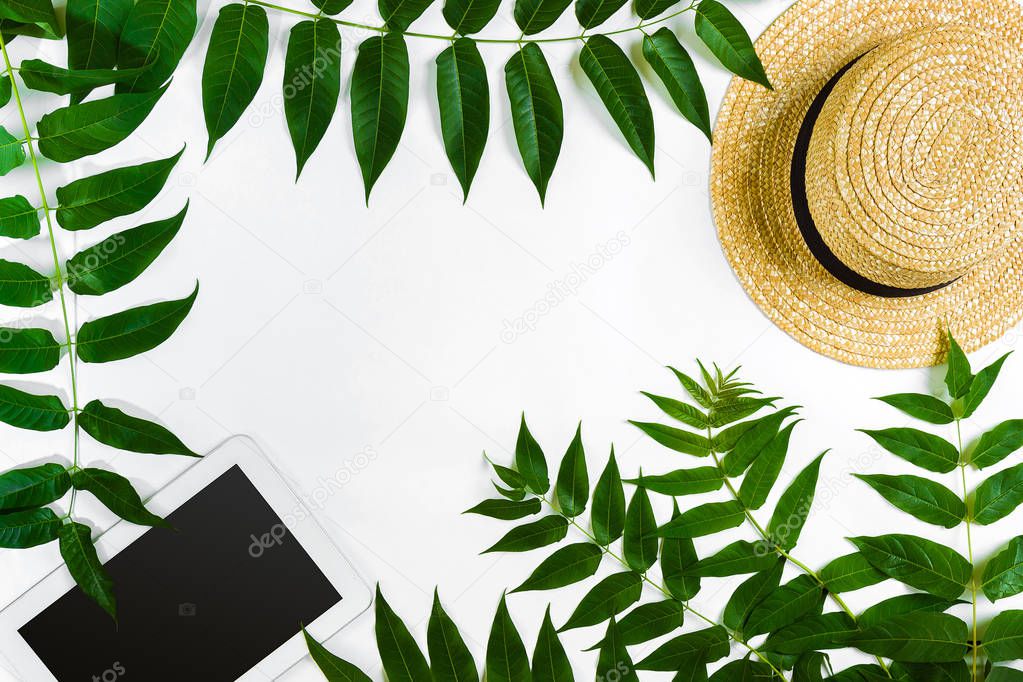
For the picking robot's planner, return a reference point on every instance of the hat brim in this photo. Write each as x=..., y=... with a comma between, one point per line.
x=754, y=139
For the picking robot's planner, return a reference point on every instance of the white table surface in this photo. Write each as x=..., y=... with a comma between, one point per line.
x=363, y=348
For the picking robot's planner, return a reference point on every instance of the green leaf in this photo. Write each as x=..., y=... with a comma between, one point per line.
x=803, y=596
x=530, y=461
x=93, y=30
x=33, y=486
x=80, y=556
x=593, y=13
x=678, y=556
x=450, y=658
x=794, y=505
x=620, y=88
x=704, y=520
x=380, y=89
x=399, y=653
x=537, y=114
x=735, y=559
x=399, y=14
x=534, y=16
x=809, y=667
x=510, y=477
x=507, y=510
x=507, y=660
x=39, y=13
x=727, y=39
x=732, y=410
x=639, y=541
x=112, y=427
x=981, y=385
x=1004, y=675
x=763, y=473
x=121, y=258
x=850, y=573
x=332, y=7
x=743, y=671
x=573, y=485
x=1003, y=575
x=550, y=662
x=1003, y=640
x=673, y=65
x=334, y=669
x=998, y=496
x=683, y=412
x=918, y=638
x=314, y=47
x=647, y=622
x=749, y=594
x=958, y=376
x=954, y=671
x=26, y=351
x=156, y=33
x=23, y=287
x=904, y=605
x=469, y=16
x=546, y=531
x=918, y=447
x=923, y=498
x=28, y=528
x=43, y=77
x=614, y=661
x=921, y=406
x=998, y=443
x=709, y=644
x=33, y=412
x=93, y=200
x=609, y=597
x=753, y=437
x=917, y=562
x=464, y=98
x=514, y=494
x=682, y=481
x=234, y=67
x=607, y=516
x=648, y=9
x=130, y=332
x=18, y=218
x=117, y=494
x=5, y=90
x=826, y=631
x=80, y=130
x=675, y=439
x=566, y=566
x=694, y=389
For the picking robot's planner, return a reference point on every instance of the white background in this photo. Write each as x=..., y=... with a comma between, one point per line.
x=362, y=347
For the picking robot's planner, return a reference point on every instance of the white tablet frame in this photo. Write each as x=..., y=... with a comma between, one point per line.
x=241, y=451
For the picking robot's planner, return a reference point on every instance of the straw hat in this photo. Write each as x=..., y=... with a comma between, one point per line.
x=872, y=199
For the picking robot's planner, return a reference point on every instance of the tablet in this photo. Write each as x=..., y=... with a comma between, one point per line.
x=219, y=598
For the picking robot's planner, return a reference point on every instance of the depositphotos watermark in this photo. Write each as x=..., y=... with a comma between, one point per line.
x=559, y=290
x=326, y=488
x=114, y=672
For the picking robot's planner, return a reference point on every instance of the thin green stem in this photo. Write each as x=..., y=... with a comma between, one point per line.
x=495, y=41
x=58, y=277
x=969, y=543
x=660, y=588
x=762, y=532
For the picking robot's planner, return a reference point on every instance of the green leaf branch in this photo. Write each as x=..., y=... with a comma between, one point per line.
x=150, y=36
x=239, y=47
x=932, y=568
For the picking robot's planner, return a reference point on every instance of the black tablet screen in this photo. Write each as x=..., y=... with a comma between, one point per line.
x=207, y=601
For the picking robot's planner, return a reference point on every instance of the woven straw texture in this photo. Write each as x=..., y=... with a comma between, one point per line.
x=913, y=175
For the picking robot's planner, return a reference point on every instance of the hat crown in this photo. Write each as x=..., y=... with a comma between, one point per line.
x=914, y=169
